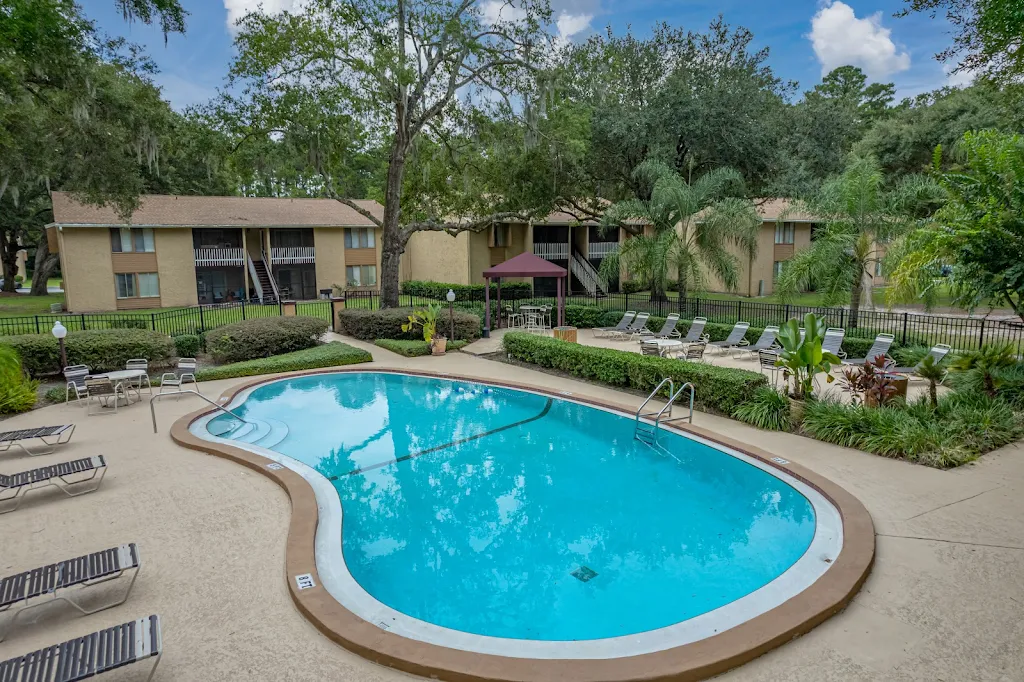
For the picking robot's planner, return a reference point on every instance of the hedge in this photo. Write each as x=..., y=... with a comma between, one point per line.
x=718, y=389
x=263, y=337
x=102, y=350
x=187, y=345
x=331, y=354
x=370, y=325
x=472, y=292
x=414, y=349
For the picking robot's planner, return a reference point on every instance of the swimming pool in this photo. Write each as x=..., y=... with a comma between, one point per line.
x=512, y=522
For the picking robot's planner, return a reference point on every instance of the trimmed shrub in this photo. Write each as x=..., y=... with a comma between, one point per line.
x=768, y=409
x=264, y=337
x=370, y=325
x=332, y=354
x=414, y=349
x=103, y=350
x=631, y=286
x=718, y=389
x=187, y=345
x=58, y=394
x=464, y=292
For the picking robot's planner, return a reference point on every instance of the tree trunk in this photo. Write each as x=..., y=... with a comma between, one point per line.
x=9, y=259
x=855, y=292
x=45, y=263
x=933, y=393
x=393, y=241
x=681, y=280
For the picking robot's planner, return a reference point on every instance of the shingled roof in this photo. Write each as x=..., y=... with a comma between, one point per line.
x=160, y=210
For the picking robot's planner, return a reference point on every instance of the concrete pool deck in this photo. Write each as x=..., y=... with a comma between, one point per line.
x=944, y=600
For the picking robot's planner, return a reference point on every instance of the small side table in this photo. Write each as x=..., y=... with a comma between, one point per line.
x=566, y=334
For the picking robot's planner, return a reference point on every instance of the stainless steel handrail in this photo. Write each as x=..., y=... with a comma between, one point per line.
x=671, y=391
x=152, y=407
x=689, y=418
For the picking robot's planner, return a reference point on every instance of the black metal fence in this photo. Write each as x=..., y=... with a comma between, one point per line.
x=962, y=333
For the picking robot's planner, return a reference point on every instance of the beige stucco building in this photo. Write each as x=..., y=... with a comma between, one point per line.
x=184, y=250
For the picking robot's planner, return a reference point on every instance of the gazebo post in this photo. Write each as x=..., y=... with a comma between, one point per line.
x=499, y=303
x=558, y=301
x=487, y=307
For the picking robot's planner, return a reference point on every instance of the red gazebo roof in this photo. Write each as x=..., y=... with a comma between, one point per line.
x=526, y=264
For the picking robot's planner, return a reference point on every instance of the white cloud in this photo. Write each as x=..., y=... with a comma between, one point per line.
x=570, y=24
x=840, y=38
x=239, y=8
x=498, y=10
x=960, y=79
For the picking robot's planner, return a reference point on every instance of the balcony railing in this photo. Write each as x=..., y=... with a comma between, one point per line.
x=213, y=257
x=601, y=249
x=292, y=255
x=551, y=251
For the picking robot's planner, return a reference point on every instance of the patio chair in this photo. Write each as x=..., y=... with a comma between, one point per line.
x=735, y=338
x=66, y=476
x=650, y=348
x=667, y=331
x=512, y=318
x=636, y=327
x=627, y=318
x=766, y=359
x=103, y=390
x=182, y=374
x=143, y=364
x=767, y=340
x=939, y=352
x=94, y=654
x=22, y=592
x=694, y=352
x=880, y=347
x=833, y=341
x=696, y=331
x=50, y=436
x=76, y=375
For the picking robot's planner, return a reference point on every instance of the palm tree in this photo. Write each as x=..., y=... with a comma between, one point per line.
x=855, y=213
x=692, y=227
x=934, y=372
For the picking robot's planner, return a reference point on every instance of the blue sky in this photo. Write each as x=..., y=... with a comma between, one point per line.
x=805, y=37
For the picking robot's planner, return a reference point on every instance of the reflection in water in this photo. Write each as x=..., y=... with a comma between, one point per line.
x=484, y=535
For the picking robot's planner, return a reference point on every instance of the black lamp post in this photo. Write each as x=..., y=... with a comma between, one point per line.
x=451, y=312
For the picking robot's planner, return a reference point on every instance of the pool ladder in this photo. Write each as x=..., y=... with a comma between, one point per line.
x=648, y=433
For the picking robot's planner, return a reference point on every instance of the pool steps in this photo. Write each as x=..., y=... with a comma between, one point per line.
x=263, y=432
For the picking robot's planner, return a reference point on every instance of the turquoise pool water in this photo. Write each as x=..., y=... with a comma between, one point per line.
x=509, y=514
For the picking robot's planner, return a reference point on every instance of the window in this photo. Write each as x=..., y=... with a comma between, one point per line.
x=141, y=285
x=360, y=275
x=878, y=268
x=777, y=268
x=500, y=235
x=127, y=240
x=359, y=238
x=784, y=233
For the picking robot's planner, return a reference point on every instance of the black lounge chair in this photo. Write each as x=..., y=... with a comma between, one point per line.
x=56, y=475
x=94, y=654
x=27, y=590
x=735, y=338
x=51, y=437
x=627, y=319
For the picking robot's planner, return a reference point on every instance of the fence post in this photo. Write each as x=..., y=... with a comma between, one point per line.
x=37, y=324
x=905, y=318
x=739, y=310
x=787, y=312
x=243, y=310
x=152, y=320
x=981, y=334
x=842, y=318
x=83, y=322
x=202, y=323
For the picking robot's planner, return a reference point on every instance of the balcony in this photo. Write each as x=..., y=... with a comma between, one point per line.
x=599, y=250
x=550, y=251
x=213, y=257
x=292, y=255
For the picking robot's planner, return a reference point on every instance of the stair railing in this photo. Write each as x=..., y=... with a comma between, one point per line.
x=254, y=277
x=270, y=276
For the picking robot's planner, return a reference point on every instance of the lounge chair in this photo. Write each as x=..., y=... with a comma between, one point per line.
x=939, y=351
x=103, y=390
x=696, y=332
x=50, y=436
x=94, y=654
x=182, y=374
x=636, y=327
x=76, y=376
x=667, y=331
x=735, y=338
x=833, y=341
x=694, y=352
x=623, y=324
x=767, y=340
x=66, y=476
x=880, y=347
x=25, y=591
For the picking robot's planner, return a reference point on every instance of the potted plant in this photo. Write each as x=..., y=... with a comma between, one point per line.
x=427, y=319
x=801, y=358
x=874, y=384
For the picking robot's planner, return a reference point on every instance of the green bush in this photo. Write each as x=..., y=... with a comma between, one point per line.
x=370, y=325
x=718, y=389
x=464, y=292
x=631, y=286
x=332, y=354
x=264, y=337
x=414, y=349
x=767, y=409
x=57, y=394
x=102, y=350
x=128, y=323
x=17, y=391
x=187, y=345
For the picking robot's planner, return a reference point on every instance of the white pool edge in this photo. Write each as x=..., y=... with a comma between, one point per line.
x=342, y=586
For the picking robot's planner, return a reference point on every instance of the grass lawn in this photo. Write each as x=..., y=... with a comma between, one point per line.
x=14, y=305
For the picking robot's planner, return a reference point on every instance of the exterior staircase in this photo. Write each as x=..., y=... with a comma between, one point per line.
x=263, y=281
x=588, y=275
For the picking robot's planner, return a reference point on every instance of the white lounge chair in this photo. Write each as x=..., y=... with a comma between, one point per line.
x=735, y=338
x=50, y=436
x=667, y=331
x=627, y=318
x=637, y=327
x=696, y=333
x=767, y=341
x=880, y=347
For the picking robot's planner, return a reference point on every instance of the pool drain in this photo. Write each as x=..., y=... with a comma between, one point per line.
x=584, y=574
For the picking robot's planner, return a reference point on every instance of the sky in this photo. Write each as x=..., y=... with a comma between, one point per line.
x=806, y=38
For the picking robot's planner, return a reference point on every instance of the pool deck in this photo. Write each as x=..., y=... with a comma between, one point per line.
x=945, y=600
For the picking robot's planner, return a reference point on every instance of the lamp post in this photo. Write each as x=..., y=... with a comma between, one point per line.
x=59, y=331
x=451, y=312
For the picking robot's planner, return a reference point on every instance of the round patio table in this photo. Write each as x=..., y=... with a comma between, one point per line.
x=666, y=346
x=132, y=376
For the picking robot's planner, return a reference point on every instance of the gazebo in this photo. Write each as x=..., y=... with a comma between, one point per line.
x=524, y=265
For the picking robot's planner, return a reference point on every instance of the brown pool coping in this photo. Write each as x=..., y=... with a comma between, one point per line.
x=695, y=661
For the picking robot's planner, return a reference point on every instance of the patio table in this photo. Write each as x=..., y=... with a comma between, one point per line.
x=123, y=376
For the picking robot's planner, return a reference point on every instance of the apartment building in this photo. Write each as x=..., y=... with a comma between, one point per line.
x=184, y=250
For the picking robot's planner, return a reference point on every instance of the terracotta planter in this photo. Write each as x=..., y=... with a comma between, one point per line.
x=438, y=345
